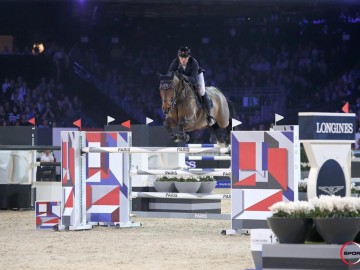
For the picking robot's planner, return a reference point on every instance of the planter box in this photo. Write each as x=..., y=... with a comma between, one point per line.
x=185, y=205
x=303, y=196
x=161, y=186
x=187, y=187
x=303, y=256
x=207, y=187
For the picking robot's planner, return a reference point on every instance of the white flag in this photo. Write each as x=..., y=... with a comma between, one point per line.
x=110, y=119
x=278, y=117
x=235, y=123
x=149, y=120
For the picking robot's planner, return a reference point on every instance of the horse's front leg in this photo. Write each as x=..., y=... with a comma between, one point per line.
x=174, y=136
x=182, y=135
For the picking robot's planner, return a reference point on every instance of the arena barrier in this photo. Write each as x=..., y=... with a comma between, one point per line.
x=18, y=174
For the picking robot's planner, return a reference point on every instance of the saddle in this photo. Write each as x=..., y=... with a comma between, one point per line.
x=198, y=99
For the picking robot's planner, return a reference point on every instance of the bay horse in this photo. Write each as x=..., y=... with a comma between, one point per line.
x=184, y=113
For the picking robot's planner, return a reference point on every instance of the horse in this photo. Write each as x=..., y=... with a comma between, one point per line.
x=184, y=113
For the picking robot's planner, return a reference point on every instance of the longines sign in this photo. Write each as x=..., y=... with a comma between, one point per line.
x=327, y=126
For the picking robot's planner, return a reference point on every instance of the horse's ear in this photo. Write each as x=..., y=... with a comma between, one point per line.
x=171, y=74
x=178, y=74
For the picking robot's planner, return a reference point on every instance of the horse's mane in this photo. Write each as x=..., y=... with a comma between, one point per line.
x=171, y=75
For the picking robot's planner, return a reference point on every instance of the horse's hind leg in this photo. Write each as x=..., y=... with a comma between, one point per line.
x=221, y=136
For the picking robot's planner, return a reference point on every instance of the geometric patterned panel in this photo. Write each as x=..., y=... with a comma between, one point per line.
x=262, y=167
x=70, y=173
x=47, y=214
x=253, y=205
x=106, y=187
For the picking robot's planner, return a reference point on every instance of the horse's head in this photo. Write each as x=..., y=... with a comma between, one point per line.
x=168, y=85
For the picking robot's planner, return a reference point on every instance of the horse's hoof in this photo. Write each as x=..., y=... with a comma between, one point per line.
x=222, y=144
x=175, y=138
x=187, y=138
x=211, y=121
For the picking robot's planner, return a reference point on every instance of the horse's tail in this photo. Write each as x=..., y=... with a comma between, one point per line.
x=232, y=112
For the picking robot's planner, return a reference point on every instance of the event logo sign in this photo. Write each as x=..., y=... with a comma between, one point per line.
x=331, y=179
x=327, y=127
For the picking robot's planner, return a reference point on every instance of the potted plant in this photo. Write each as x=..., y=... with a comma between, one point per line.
x=164, y=184
x=302, y=189
x=207, y=185
x=355, y=190
x=304, y=163
x=187, y=184
x=337, y=219
x=291, y=221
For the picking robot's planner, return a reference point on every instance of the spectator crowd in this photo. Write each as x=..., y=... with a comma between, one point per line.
x=311, y=58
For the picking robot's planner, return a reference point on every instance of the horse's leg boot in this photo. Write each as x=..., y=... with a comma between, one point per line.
x=206, y=101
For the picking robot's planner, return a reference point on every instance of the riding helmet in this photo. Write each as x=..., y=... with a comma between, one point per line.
x=184, y=52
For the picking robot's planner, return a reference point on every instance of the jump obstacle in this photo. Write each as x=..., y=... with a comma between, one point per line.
x=97, y=172
x=92, y=149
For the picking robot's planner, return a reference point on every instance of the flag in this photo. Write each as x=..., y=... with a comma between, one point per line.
x=126, y=124
x=110, y=119
x=345, y=108
x=77, y=123
x=235, y=123
x=149, y=120
x=278, y=117
x=32, y=121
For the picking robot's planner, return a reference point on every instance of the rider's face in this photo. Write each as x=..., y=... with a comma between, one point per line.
x=183, y=60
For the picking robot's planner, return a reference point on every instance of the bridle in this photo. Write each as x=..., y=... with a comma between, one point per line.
x=167, y=85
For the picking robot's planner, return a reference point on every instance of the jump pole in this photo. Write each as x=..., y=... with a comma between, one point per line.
x=132, y=150
x=193, y=196
x=29, y=147
x=207, y=158
x=202, y=145
x=190, y=172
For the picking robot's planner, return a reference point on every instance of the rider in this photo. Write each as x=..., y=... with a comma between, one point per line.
x=188, y=66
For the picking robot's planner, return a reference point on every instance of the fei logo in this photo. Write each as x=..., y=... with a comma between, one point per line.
x=350, y=253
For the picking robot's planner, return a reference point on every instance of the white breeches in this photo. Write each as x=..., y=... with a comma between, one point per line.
x=201, y=83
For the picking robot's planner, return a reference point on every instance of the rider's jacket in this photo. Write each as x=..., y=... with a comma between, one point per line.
x=191, y=70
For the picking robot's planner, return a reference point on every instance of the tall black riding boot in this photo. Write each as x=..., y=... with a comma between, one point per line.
x=206, y=101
